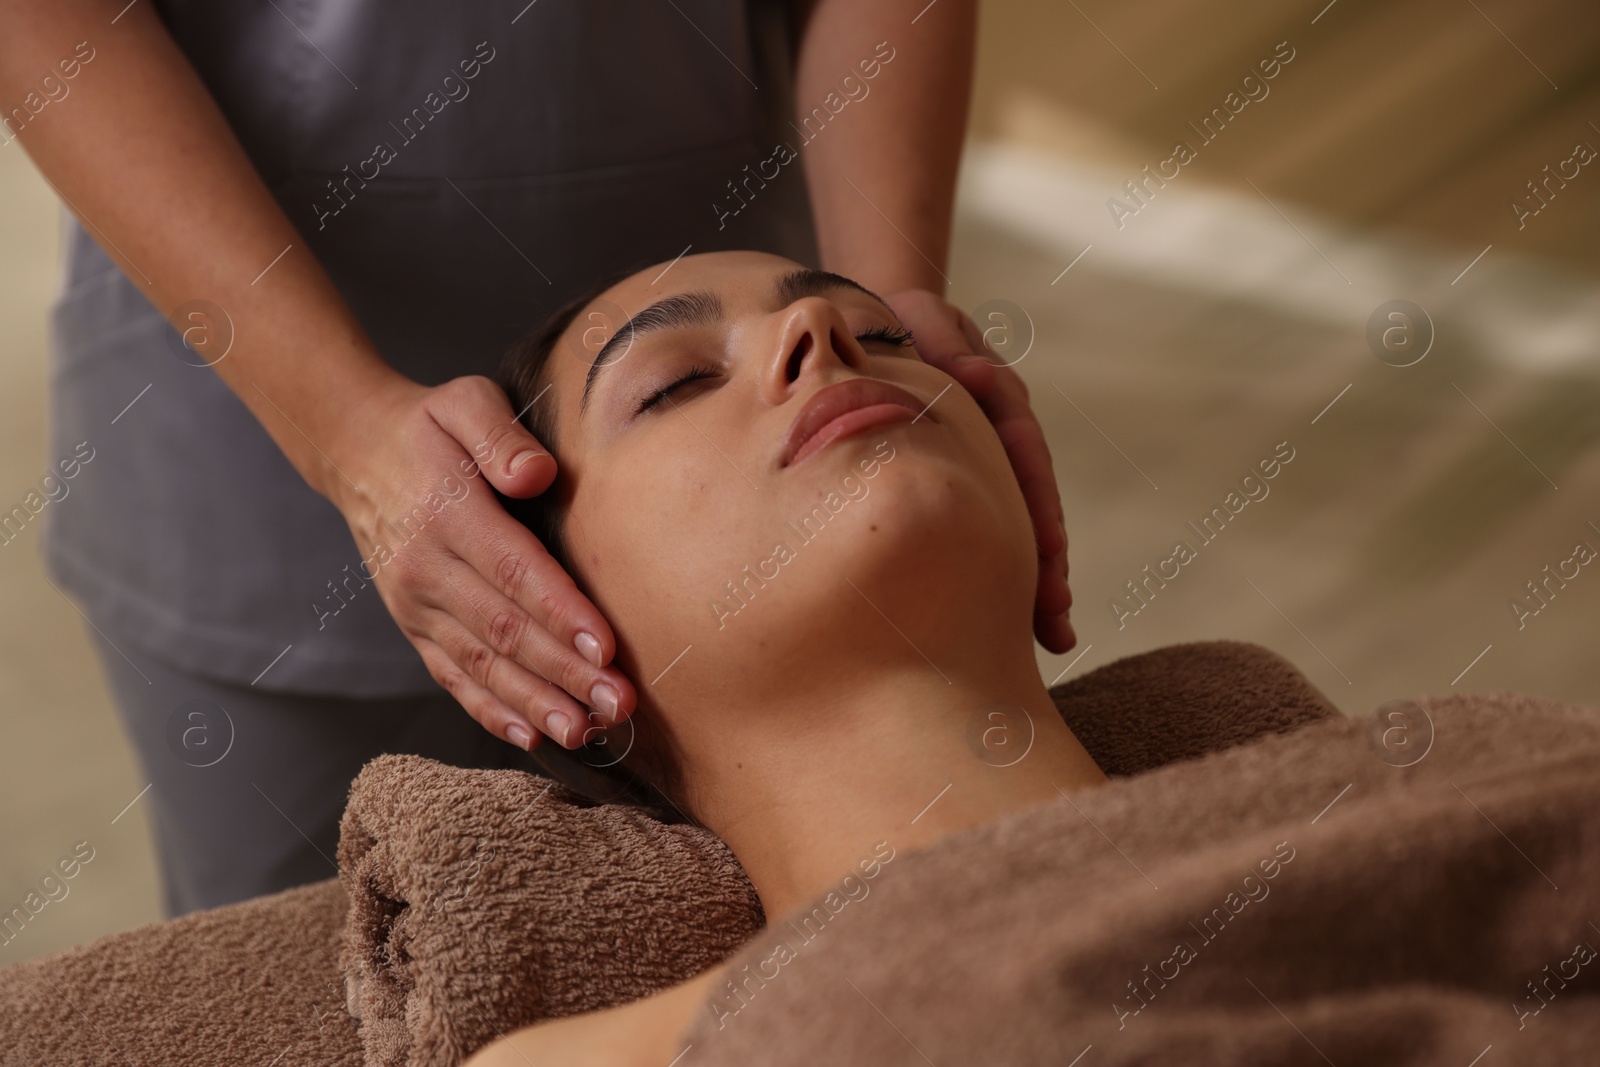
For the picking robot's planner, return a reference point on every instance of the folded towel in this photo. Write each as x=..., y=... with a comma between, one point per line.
x=1313, y=897
x=486, y=900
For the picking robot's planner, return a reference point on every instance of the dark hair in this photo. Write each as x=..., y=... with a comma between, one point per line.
x=649, y=773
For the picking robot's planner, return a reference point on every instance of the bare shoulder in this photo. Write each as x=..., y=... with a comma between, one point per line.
x=644, y=1033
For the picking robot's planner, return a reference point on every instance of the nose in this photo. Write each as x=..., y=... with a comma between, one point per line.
x=812, y=339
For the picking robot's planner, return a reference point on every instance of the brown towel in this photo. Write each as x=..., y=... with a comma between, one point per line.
x=246, y=982
x=486, y=900
x=1294, y=900
x=1181, y=701
x=482, y=900
x=235, y=985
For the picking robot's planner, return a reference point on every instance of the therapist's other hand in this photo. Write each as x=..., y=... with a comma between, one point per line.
x=498, y=622
x=947, y=338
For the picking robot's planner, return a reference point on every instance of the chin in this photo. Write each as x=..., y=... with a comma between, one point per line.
x=934, y=542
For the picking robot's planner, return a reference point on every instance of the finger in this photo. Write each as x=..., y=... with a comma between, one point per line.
x=977, y=376
x=1019, y=430
x=939, y=339
x=505, y=627
x=945, y=339
x=948, y=339
x=1055, y=633
x=1025, y=445
x=533, y=700
x=1053, y=603
x=490, y=712
x=509, y=558
x=476, y=412
x=1054, y=595
x=932, y=320
x=975, y=340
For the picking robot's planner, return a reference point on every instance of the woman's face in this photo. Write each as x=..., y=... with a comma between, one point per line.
x=731, y=563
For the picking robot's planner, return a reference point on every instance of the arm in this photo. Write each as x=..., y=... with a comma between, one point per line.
x=881, y=176
x=645, y=1033
x=145, y=158
x=882, y=173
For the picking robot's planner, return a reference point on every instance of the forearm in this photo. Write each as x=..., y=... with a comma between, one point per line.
x=146, y=160
x=641, y=1033
x=882, y=173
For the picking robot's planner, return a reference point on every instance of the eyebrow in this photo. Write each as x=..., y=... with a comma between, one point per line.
x=702, y=307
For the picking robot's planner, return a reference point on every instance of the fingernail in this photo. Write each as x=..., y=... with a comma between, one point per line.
x=521, y=458
x=518, y=735
x=588, y=647
x=559, y=726
x=605, y=698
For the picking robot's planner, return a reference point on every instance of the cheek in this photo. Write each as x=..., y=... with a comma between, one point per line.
x=983, y=450
x=656, y=543
x=994, y=512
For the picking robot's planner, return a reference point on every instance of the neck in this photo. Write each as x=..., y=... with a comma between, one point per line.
x=803, y=794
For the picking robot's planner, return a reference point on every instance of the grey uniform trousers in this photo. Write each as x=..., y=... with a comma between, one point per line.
x=247, y=786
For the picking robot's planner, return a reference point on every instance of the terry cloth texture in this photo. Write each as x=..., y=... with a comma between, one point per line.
x=447, y=948
x=1297, y=899
x=486, y=900
x=234, y=985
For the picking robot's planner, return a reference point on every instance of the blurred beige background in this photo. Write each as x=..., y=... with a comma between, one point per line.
x=1223, y=317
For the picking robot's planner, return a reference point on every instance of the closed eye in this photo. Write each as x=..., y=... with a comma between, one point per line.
x=693, y=374
x=894, y=335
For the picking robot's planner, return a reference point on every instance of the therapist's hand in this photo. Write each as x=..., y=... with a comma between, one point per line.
x=947, y=338
x=497, y=621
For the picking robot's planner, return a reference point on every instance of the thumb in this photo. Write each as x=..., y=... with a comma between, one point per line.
x=477, y=414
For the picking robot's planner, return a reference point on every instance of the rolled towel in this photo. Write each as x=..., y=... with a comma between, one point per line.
x=481, y=901
x=1178, y=702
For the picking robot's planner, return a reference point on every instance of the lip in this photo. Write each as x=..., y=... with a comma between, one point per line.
x=844, y=408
